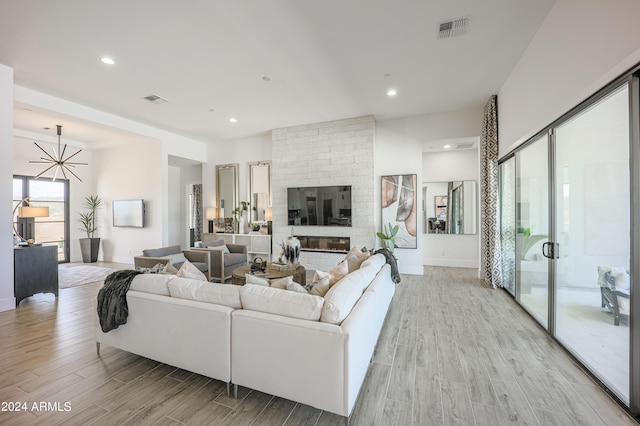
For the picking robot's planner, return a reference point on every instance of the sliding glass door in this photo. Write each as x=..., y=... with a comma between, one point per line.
x=572, y=213
x=532, y=228
x=593, y=233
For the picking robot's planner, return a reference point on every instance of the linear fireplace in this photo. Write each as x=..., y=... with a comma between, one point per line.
x=324, y=244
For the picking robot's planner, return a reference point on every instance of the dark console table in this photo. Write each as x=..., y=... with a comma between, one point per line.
x=35, y=270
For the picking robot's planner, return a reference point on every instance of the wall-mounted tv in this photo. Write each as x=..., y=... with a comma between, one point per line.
x=128, y=213
x=319, y=206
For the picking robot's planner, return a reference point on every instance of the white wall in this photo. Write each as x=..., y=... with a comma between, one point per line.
x=241, y=151
x=399, y=145
x=7, y=299
x=581, y=46
x=126, y=173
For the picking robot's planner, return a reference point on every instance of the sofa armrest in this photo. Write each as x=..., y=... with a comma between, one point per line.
x=237, y=248
x=215, y=261
x=148, y=262
x=198, y=256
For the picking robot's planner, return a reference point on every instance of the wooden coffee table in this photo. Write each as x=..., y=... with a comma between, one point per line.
x=299, y=274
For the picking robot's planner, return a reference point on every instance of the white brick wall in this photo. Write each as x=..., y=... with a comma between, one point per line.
x=320, y=154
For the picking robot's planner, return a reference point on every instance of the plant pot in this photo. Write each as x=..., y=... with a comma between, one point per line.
x=89, y=248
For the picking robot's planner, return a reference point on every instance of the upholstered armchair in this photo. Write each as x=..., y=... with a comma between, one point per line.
x=176, y=256
x=614, y=289
x=224, y=258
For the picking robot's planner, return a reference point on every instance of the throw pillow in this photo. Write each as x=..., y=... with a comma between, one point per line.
x=358, y=253
x=281, y=282
x=621, y=277
x=188, y=270
x=341, y=298
x=215, y=243
x=170, y=269
x=338, y=272
x=176, y=258
x=294, y=286
x=252, y=279
x=353, y=262
x=319, y=287
x=158, y=268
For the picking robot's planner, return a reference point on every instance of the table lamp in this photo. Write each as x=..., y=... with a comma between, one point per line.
x=26, y=219
x=210, y=215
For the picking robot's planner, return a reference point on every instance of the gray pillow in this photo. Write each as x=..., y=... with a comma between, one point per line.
x=215, y=243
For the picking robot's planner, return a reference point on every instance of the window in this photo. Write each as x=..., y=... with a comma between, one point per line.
x=55, y=195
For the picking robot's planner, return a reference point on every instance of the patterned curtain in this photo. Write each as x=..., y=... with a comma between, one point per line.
x=197, y=212
x=490, y=239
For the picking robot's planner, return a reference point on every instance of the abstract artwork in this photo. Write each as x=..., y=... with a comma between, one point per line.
x=399, y=207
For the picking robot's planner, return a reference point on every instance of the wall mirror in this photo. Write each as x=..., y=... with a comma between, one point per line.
x=227, y=189
x=450, y=207
x=259, y=189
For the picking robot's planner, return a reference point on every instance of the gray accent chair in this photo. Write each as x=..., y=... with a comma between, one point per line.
x=171, y=254
x=223, y=263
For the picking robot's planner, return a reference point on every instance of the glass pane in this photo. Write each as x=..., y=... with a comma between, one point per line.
x=532, y=229
x=508, y=224
x=593, y=228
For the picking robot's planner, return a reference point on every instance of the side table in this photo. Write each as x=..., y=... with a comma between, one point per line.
x=35, y=270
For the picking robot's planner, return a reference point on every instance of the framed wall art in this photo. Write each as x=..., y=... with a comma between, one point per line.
x=399, y=207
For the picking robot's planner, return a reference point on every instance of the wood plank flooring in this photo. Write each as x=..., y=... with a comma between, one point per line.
x=452, y=352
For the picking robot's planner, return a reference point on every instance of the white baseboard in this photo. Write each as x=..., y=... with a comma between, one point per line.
x=7, y=304
x=453, y=263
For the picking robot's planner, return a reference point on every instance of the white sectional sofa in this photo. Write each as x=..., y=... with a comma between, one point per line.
x=305, y=348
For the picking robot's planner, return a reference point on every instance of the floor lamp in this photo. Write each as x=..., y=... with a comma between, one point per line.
x=26, y=220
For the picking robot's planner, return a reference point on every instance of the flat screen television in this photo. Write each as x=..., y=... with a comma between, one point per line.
x=319, y=206
x=128, y=213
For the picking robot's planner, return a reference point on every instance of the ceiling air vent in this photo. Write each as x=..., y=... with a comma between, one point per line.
x=466, y=145
x=156, y=99
x=452, y=28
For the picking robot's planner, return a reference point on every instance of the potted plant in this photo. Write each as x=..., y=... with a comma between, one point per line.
x=388, y=237
x=90, y=246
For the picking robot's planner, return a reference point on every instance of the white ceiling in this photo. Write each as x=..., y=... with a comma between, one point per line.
x=327, y=60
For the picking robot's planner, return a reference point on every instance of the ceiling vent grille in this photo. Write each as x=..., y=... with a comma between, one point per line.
x=155, y=99
x=453, y=28
x=466, y=145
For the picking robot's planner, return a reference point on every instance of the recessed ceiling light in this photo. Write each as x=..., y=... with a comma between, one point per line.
x=266, y=78
x=107, y=61
x=233, y=120
x=387, y=75
x=392, y=92
x=447, y=146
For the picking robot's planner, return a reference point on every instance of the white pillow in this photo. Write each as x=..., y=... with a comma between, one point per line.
x=170, y=269
x=281, y=283
x=353, y=262
x=341, y=298
x=252, y=279
x=151, y=283
x=188, y=270
x=220, y=294
x=621, y=278
x=319, y=287
x=293, y=286
x=281, y=302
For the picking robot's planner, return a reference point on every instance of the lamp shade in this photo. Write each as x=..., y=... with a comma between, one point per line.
x=210, y=213
x=268, y=213
x=33, y=211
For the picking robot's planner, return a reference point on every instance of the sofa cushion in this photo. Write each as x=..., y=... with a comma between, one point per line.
x=281, y=302
x=341, y=298
x=234, y=258
x=152, y=283
x=215, y=245
x=377, y=260
x=335, y=275
x=220, y=294
x=189, y=270
x=161, y=252
x=176, y=259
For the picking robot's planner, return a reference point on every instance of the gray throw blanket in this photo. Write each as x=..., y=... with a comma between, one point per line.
x=391, y=260
x=112, y=299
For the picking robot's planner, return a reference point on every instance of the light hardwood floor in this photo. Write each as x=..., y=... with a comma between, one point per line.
x=452, y=351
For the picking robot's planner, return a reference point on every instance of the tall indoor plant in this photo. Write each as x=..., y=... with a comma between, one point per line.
x=90, y=246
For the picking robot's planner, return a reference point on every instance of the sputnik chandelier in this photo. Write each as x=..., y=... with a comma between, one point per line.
x=58, y=160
